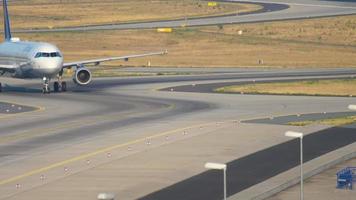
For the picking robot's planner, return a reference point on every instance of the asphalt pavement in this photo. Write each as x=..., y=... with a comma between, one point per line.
x=114, y=112
x=250, y=170
x=119, y=112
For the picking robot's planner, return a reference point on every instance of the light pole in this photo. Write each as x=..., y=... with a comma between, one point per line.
x=218, y=166
x=300, y=136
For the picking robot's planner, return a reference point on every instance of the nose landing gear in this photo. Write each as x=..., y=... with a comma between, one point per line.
x=46, y=89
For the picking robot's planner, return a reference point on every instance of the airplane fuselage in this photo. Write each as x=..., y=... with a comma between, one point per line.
x=33, y=59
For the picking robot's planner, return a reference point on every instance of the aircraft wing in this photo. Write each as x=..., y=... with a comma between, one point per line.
x=98, y=61
x=8, y=68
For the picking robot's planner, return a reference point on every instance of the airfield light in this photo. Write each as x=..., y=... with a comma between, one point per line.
x=300, y=136
x=218, y=166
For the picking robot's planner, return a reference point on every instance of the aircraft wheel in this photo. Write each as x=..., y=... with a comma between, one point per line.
x=45, y=90
x=64, y=86
x=56, y=86
x=0, y=87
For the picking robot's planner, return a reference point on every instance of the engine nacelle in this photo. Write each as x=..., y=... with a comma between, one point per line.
x=82, y=76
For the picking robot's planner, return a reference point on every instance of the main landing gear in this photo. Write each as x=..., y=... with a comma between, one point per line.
x=58, y=86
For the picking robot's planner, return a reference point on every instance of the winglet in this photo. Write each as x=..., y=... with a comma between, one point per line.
x=7, y=28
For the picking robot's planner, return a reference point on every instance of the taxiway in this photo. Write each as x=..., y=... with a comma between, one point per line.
x=125, y=136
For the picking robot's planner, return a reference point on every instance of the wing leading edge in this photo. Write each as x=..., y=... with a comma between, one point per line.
x=8, y=68
x=98, y=61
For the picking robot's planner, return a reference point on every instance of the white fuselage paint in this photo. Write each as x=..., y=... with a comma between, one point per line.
x=23, y=55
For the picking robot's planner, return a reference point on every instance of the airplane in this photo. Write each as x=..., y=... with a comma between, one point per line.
x=30, y=60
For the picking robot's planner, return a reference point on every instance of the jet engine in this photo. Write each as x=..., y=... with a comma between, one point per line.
x=82, y=76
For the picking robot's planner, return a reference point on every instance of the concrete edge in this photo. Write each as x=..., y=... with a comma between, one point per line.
x=291, y=177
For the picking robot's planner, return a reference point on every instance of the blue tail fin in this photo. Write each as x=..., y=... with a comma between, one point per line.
x=7, y=28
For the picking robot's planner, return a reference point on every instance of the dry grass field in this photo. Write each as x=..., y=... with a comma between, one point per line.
x=331, y=121
x=325, y=42
x=336, y=87
x=63, y=13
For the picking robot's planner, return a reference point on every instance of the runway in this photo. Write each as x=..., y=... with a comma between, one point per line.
x=273, y=10
x=129, y=123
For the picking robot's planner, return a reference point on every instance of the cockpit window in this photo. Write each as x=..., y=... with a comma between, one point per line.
x=38, y=55
x=47, y=55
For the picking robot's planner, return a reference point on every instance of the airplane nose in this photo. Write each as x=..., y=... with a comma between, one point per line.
x=52, y=67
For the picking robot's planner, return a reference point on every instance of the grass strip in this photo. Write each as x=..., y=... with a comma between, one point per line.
x=339, y=121
x=332, y=87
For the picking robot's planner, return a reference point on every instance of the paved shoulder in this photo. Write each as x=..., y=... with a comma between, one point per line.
x=11, y=108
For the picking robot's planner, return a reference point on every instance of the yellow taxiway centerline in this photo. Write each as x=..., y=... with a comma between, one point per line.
x=100, y=151
x=47, y=131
